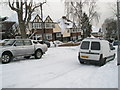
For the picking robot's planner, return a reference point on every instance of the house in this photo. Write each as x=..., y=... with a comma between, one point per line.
x=51, y=31
x=6, y=29
x=75, y=33
x=56, y=32
x=42, y=29
x=49, y=25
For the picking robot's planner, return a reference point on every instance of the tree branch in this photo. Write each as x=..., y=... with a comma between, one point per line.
x=12, y=6
x=26, y=9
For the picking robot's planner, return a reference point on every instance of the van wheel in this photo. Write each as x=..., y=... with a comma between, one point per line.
x=6, y=58
x=102, y=62
x=38, y=54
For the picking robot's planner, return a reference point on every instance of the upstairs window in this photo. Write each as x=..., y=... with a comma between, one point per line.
x=49, y=25
x=37, y=25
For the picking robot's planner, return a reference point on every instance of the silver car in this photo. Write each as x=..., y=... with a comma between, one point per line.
x=20, y=47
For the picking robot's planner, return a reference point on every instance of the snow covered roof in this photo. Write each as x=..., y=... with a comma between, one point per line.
x=95, y=29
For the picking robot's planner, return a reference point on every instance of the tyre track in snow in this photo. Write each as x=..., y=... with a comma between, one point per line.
x=55, y=70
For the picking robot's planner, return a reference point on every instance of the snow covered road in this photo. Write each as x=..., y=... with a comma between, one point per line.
x=58, y=68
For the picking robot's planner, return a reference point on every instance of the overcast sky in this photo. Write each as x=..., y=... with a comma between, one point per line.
x=55, y=9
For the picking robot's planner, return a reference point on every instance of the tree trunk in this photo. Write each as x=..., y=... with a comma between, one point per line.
x=23, y=30
x=22, y=26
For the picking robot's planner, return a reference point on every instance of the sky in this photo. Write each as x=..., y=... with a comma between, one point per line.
x=55, y=9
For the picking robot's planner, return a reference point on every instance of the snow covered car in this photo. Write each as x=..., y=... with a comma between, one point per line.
x=20, y=47
x=95, y=50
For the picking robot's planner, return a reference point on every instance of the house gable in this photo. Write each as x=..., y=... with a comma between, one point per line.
x=37, y=19
x=48, y=20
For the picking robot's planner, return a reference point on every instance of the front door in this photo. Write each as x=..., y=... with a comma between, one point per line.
x=19, y=48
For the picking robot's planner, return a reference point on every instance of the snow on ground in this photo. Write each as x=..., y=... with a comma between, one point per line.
x=58, y=68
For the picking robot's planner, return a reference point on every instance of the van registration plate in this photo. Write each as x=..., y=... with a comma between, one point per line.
x=84, y=56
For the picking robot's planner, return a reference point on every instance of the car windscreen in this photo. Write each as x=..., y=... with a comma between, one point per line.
x=9, y=42
x=85, y=45
x=95, y=46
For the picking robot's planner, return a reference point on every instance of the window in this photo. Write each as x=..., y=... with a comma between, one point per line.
x=74, y=30
x=58, y=34
x=74, y=38
x=27, y=42
x=85, y=45
x=49, y=25
x=36, y=25
x=49, y=36
x=68, y=31
x=78, y=30
x=19, y=43
x=79, y=37
x=95, y=46
x=9, y=42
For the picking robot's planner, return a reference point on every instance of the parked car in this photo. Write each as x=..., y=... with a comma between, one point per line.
x=95, y=51
x=20, y=47
x=115, y=43
x=44, y=42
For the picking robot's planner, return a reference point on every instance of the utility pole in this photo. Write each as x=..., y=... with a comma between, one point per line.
x=118, y=28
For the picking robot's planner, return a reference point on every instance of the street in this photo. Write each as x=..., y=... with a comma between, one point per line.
x=58, y=68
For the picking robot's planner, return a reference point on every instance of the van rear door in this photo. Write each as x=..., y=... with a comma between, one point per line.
x=95, y=50
x=84, y=50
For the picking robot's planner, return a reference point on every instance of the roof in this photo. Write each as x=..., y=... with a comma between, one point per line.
x=57, y=28
x=45, y=19
x=95, y=29
x=48, y=19
x=66, y=33
x=37, y=19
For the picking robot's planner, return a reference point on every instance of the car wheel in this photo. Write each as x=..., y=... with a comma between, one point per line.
x=27, y=57
x=48, y=45
x=6, y=58
x=38, y=54
x=81, y=62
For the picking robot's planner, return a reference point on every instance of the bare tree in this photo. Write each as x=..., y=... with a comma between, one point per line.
x=75, y=10
x=111, y=29
x=24, y=10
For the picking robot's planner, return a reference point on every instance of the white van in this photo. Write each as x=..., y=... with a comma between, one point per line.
x=95, y=50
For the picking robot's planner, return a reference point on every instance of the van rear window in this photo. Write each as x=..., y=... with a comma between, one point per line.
x=95, y=46
x=85, y=45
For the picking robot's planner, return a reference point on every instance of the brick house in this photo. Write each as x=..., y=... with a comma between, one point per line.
x=52, y=30
x=42, y=28
x=75, y=33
